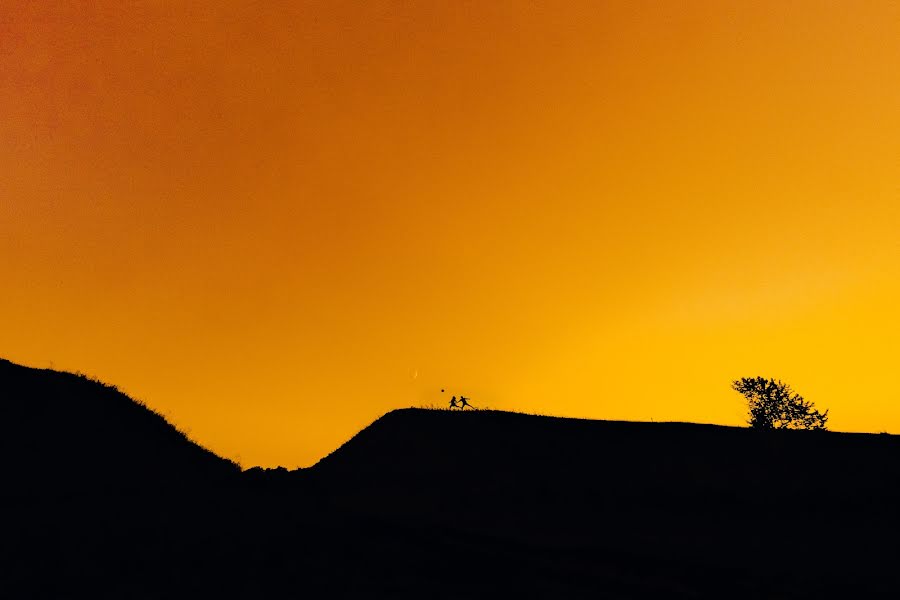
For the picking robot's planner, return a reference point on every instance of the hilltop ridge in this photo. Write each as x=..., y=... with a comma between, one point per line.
x=613, y=461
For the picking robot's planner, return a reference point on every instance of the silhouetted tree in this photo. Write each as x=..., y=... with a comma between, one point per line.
x=772, y=404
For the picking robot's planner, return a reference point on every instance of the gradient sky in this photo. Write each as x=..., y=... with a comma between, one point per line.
x=275, y=221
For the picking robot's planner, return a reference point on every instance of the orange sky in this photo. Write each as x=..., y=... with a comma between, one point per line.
x=275, y=223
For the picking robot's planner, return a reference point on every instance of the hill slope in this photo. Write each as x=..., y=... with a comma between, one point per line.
x=637, y=509
x=497, y=454
x=65, y=433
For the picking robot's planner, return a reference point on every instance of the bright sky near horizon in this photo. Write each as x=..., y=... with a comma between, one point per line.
x=275, y=221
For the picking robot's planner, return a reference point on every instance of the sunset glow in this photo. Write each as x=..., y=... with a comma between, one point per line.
x=275, y=221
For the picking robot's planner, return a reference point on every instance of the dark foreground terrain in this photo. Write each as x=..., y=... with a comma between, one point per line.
x=103, y=499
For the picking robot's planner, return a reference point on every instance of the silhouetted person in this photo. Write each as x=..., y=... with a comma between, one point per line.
x=464, y=403
x=453, y=403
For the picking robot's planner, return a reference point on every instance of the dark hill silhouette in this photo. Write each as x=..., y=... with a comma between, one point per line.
x=500, y=454
x=697, y=506
x=438, y=504
x=68, y=434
